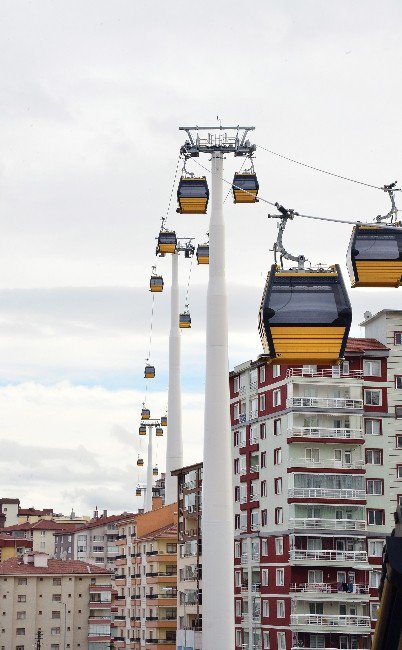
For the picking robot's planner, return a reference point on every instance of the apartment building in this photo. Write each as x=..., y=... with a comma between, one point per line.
x=9, y=512
x=41, y=533
x=312, y=479
x=13, y=547
x=70, y=602
x=146, y=580
x=189, y=557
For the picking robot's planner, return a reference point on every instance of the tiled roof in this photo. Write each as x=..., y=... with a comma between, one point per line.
x=14, y=566
x=160, y=533
x=42, y=524
x=24, y=512
x=360, y=345
x=101, y=521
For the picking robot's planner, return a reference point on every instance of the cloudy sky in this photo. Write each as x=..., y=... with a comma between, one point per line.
x=92, y=95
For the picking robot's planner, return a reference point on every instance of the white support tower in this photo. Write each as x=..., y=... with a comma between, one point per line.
x=217, y=507
x=174, y=443
x=148, y=491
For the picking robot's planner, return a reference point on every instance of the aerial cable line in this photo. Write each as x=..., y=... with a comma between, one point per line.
x=163, y=219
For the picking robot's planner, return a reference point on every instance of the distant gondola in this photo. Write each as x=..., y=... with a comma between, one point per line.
x=159, y=431
x=245, y=188
x=185, y=320
x=156, y=284
x=167, y=242
x=192, y=195
x=203, y=254
x=145, y=414
x=149, y=372
x=164, y=421
x=374, y=257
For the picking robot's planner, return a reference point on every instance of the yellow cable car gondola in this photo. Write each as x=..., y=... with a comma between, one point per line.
x=155, y=471
x=164, y=421
x=192, y=195
x=149, y=372
x=142, y=430
x=159, y=431
x=374, y=257
x=156, y=283
x=203, y=254
x=140, y=462
x=185, y=320
x=138, y=492
x=245, y=187
x=145, y=413
x=167, y=242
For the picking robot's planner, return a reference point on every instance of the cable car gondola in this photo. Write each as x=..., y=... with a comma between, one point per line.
x=155, y=471
x=203, y=254
x=192, y=195
x=145, y=414
x=167, y=242
x=142, y=430
x=185, y=320
x=245, y=187
x=159, y=431
x=156, y=284
x=149, y=372
x=164, y=421
x=305, y=316
x=374, y=257
x=138, y=492
x=140, y=462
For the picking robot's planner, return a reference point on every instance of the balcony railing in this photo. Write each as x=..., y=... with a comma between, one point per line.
x=254, y=440
x=254, y=588
x=331, y=524
x=254, y=414
x=325, y=432
x=325, y=493
x=254, y=558
x=328, y=555
x=324, y=402
x=325, y=620
x=329, y=463
x=327, y=588
x=324, y=372
x=253, y=468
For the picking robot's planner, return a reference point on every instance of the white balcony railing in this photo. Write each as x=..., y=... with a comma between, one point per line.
x=328, y=555
x=322, y=620
x=327, y=588
x=254, y=440
x=254, y=588
x=328, y=524
x=330, y=463
x=253, y=385
x=325, y=372
x=325, y=493
x=254, y=414
x=324, y=403
x=325, y=432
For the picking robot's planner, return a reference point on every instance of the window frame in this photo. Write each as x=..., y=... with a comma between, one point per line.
x=372, y=390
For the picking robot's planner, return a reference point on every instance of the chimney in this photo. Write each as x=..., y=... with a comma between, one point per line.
x=40, y=560
x=105, y=513
x=96, y=514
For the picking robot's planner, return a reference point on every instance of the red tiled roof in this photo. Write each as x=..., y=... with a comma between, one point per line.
x=166, y=531
x=42, y=524
x=24, y=512
x=360, y=345
x=101, y=521
x=14, y=566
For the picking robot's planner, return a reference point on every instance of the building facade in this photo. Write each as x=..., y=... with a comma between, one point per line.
x=189, y=557
x=311, y=487
x=41, y=533
x=9, y=512
x=70, y=602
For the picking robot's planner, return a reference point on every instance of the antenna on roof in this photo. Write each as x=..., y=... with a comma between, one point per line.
x=367, y=315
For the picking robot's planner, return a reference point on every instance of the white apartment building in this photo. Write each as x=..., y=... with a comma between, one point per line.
x=315, y=462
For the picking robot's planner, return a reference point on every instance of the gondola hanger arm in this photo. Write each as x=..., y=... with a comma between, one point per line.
x=278, y=247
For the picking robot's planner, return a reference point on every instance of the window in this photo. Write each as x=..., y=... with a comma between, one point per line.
x=266, y=641
x=313, y=455
x=399, y=471
x=263, y=431
x=372, y=427
x=237, y=549
x=374, y=456
x=263, y=488
x=22, y=581
x=397, y=338
x=375, y=517
x=238, y=607
x=237, y=493
x=21, y=598
x=236, y=384
x=372, y=368
x=373, y=610
x=345, y=368
x=375, y=547
x=264, y=547
x=372, y=397
x=239, y=641
x=262, y=374
x=264, y=517
x=56, y=597
x=398, y=382
x=280, y=609
x=279, y=545
x=276, y=370
x=315, y=577
x=276, y=396
x=374, y=579
x=398, y=442
x=264, y=577
x=265, y=608
x=280, y=577
x=277, y=456
x=236, y=466
x=54, y=646
x=278, y=515
x=281, y=640
x=55, y=631
x=21, y=615
x=374, y=486
x=20, y=631
x=398, y=412
x=263, y=459
x=56, y=582
x=55, y=614
x=278, y=485
x=255, y=519
x=277, y=427
x=238, y=578
x=262, y=401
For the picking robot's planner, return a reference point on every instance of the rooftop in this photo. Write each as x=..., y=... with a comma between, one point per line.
x=14, y=566
x=102, y=521
x=42, y=524
x=161, y=533
x=363, y=344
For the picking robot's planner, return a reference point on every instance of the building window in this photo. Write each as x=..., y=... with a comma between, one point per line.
x=236, y=384
x=372, y=427
x=21, y=615
x=313, y=455
x=55, y=614
x=238, y=608
x=374, y=456
x=263, y=459
x=374, y=579
x=280, y=577
x=398, y=382
x=262, y=374
x=375, y=517
x=237, y=549
x=374, y=486
x=55, y=631
x=20, y=631
x=255, y=519
x=372, y=368
x=262, y=401
x=56, y=582
x=22, y=581
x=277, y=456
x=56, y=597
x=264, y=577
x=276, y=396
x=263, y=431
x=398, y=412
x=238, y=578
x=264, y=547
x=276, y=370
x=21, y=598
x=278, y=485
x=397, y=338
x=54, y=646
x=263, y=488
x=279, y=545
x=277, y=427
x=236, y=466
x=279, y=515
x=239, y=640
x=315, y=576
x=281, y=640
x=372, y=397
x=237, y=493
x=373, y=610
x=399, y=471
x=264, y=517
x=266, y=641
x=375, y=547
x=237, y=522
x=345, y=367
x=398, y=442
x=280, y=609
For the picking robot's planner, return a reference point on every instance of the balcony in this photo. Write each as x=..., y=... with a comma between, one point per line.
x=343, y=557
x=255, y=558
x=255, y=588
x=326, y=493
x=338, y=403
x=326, y=432
x=328, y=524
x=323, y=589
x=329, y=463
x=253, y=414
x=328, y=622
x=324, y=373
